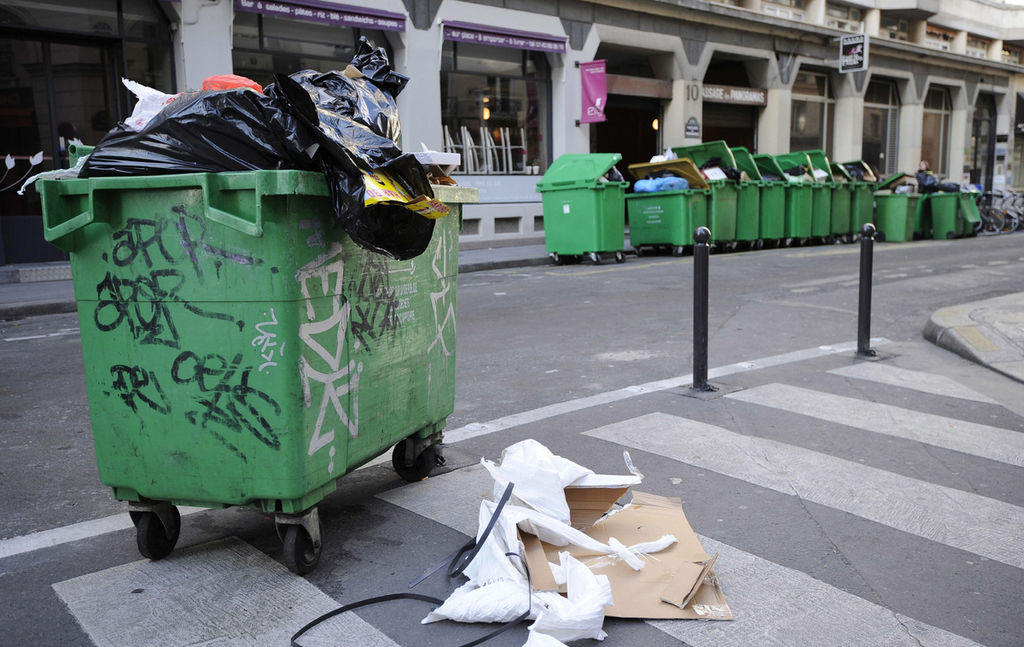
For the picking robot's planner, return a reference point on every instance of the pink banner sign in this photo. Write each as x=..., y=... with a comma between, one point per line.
x=595, y=91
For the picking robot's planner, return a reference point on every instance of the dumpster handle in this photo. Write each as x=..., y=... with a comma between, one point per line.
x=71, y=224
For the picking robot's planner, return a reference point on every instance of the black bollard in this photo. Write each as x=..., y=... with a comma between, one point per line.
x=867, y=243
x=701, y=251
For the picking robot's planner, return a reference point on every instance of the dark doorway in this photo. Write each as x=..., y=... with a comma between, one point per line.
x=983, y=141
x=629, y=130
x=737, y=125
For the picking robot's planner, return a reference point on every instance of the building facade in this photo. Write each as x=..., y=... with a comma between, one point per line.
x=499, y=81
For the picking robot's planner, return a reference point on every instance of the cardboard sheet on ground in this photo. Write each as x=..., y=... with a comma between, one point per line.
x=680, y=575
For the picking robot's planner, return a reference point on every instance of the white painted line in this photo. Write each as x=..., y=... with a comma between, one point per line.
x=73, y=532
x=822, y=281
x=60, y=333
x=963, y=520
x=915, y=380
x=994, y=443
x=896, y=275
x=224, y=593
x=476, y=429
x=773, y=604
x=998, y=262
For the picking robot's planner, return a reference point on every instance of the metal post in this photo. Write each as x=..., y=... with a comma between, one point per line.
x=867, y=243
x=700, y=309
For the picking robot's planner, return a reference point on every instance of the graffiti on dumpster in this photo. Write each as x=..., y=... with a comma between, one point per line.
x=226, y=398
x=140, y=302
x=266, y=342
x=136, y=384
x=374, y=309
x=443, y=302
x=323, y=336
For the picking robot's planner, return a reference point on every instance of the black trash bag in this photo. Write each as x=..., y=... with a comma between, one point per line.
x=206, y=132
x=927, y=182
x=733, y=173
x=355, y=121
x=613, y=175
x=949, y=187
x=797, y=170
x=770, y=177
x=855, y=171
x=711, y=163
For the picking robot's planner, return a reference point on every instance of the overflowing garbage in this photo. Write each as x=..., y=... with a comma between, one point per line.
x=563, y=552
x=342, y=123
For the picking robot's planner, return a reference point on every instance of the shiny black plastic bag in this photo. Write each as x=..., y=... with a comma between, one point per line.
x=355, y=120
x=206, y=132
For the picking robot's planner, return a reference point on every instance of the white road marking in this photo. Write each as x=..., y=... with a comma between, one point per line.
x=822, y=281
x=223, y=593
x=73, y=532
x=60, y=333
x=963, y=520
x=476, y=429
x=915, y=380
x=773, y=604
x=972, y=438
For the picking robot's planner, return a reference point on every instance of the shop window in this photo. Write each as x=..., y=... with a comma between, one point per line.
x=881, y=124
x=265, y=45
x=495, y=107
x=977, y=47
x=938, y=113
x=97, y=17
x=844, y=17
x=895, y=29
x=811, y=116
x=939, y=38
x=790, y=9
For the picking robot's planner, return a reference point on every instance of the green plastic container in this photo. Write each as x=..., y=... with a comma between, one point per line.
x=667, y=218
x=946, y=220
x=723, y=207
x=897, y=214
x=582, y=213
x=797, y=198
x=842, y=203
x=821, y=220
x=862, y=193
x=969, y=210
x=240, y=349
x=770, y=203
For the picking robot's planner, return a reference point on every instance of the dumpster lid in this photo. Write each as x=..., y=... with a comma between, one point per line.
x=683, y=167
x=869, y=175
x=577, y=170
x=745, y=162
x=819, y=162
x=892, y=182
x=777, y=164
x=840, y=171
x=701, y=153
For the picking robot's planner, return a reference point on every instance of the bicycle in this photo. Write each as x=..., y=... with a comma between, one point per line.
x=991, y=212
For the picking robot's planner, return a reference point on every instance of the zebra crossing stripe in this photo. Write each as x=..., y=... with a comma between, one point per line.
x=915, y=380
x=945, y=515
x=224, y=593
x=972, y=438
x=772, y=603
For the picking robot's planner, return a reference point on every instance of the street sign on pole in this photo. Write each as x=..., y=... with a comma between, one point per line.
x=853, y=53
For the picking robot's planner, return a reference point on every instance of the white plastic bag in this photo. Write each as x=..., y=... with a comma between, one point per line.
x=581, y=614
x=539, y=475
x=150, y=103
x=495, y=602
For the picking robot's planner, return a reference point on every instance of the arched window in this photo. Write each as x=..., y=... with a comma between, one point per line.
x=881, y=125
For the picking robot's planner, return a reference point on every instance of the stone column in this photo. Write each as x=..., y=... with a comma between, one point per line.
x=909, y=150
x=418, y=54
x=872, y=22
x=773, y=126
x=848, y=127
x=204, y=41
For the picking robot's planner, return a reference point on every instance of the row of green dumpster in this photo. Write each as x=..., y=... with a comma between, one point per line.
x=779, y=200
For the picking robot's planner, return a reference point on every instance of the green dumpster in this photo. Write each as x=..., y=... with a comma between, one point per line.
x=842, y=203
x=241, y=350
x=946, y=219
x=667, y=218
x=798, y=198
x=772, y=202
x=821, y=195
x=969, y=210
x=897, y=214
x=583, y=214
x=862, y=199
x=724, y=202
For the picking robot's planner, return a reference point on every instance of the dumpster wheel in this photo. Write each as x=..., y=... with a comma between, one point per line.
x=156, y=532
x=302, y=539
x=419, y=468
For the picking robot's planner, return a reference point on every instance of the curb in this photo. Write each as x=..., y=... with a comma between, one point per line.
x=35, y=308
x=502, y=265
x=955, y=330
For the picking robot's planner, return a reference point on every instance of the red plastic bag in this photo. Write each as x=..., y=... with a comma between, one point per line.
x=230, y=81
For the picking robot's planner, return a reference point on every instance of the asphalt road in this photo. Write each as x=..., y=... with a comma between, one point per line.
x=800, y=562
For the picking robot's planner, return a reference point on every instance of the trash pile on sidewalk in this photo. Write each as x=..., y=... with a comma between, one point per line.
x=342, y=123
x=581, y=560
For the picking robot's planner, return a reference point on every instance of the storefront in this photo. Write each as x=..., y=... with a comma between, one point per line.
x=60, y=68
x=812, y=114
x=881, y=126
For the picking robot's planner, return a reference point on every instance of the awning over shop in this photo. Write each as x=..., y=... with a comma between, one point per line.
x=483, y=35
x=327, y=13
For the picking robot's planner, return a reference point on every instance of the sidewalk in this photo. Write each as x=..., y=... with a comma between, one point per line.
x=989, y=332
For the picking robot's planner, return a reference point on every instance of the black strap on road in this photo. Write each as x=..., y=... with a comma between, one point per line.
x=457, y=563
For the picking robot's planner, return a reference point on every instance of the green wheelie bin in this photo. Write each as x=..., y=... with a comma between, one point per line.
x=584, y=215
x=821, y=194
x=898, y=213
x=970, y=213
x=772, y=198
x=862, y=199
x=842, y=204
x=241, y=350
x=724, y=203
x=667, y=218
x=798, y=198
x=946, y=219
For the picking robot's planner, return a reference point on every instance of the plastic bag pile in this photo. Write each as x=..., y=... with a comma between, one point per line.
x=342, y=123
x=499, y=589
